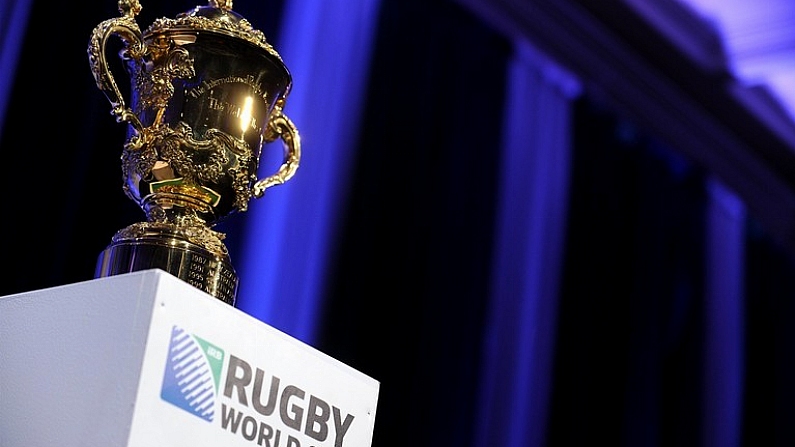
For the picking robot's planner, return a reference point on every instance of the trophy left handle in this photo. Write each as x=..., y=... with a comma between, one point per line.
x=127, y=30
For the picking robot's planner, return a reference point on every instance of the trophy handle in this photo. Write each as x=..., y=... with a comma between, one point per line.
x=127, y=30
x=280, y=126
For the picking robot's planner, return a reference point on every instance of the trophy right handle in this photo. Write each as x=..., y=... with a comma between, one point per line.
x=127, y=30
x=280, y=126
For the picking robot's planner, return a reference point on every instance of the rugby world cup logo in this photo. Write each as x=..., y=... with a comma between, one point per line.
x=192, y=374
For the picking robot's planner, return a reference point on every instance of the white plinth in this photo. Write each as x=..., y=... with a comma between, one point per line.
x=143, y=359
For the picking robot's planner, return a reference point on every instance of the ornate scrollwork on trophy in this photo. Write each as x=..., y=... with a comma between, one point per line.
x=199, y=162
x=208, y=93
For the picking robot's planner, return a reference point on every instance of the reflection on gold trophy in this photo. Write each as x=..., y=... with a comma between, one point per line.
x=206, y=94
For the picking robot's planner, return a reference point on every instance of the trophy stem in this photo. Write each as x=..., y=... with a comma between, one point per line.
x=193, y=254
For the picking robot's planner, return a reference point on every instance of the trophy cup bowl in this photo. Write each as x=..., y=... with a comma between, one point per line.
x=206, y=95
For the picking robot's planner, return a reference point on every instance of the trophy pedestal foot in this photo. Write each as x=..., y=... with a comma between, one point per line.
x=204, y=269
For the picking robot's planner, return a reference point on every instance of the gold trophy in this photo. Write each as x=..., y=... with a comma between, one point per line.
x=206, y=94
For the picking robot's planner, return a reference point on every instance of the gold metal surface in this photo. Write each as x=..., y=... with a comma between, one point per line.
x=207, y=95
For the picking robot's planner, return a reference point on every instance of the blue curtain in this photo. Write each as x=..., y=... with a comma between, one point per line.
x=724, y=306
x=13, y=20
x=289, y=233
x=529, y=237
x=513, y=259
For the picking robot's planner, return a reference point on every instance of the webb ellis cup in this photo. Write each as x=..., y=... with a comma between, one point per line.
x=206, y=94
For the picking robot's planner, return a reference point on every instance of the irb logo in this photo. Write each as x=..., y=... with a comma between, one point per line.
x=192, y=374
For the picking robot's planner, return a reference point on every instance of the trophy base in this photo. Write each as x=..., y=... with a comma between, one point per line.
x=194, y=264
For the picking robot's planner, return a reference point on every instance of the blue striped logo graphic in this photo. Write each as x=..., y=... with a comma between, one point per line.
x=192, y=374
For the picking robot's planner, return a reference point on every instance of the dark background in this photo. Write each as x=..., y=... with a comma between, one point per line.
x=411, y=272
